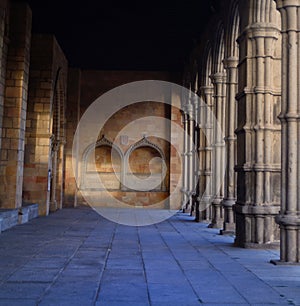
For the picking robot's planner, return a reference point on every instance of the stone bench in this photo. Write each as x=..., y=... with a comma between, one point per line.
x=9, y=218
x=28, y=212
x=13, y=217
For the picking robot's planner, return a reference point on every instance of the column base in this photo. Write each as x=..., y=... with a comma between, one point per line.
x=284, y=263
x=53, y=206
x=258, y=246
x=256, y=227
x=228, y=232
x=217, y=213
x=216, y=225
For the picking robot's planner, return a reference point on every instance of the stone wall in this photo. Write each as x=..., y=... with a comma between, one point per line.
x=128, y=126
x=47, y=88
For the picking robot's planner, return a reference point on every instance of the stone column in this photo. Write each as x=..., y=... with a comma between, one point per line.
x=3, y=57
x=190, y=153
x=54, y=151
x=258, y=141
x=205, y=149
x=185, y=163
x=218, y=81
x=15, y=105
x=72, y=119
x=230, y=65
x=289, y=216
x=197, y=161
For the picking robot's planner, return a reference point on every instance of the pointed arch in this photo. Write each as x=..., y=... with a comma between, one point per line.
x=144, y=142
x=218, y=50
x=207, y=65
x=232, y=31
x=157, y=179
x=88, y=177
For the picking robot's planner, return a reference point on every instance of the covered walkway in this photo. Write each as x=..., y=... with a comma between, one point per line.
x=76, y=257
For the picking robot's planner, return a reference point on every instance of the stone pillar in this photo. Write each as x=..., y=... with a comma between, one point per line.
x=72, y=119
x=185, y=162
x=54, y=176
x=258, y=140
x=197, y=161
x=205, y=149
x=190, y=153
x=15, y=105
x=48, y=70
x=230, y=65
x=3, y=56
x=218, y=81
x=289, y=216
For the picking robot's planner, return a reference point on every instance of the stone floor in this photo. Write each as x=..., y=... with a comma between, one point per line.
x=76, y=257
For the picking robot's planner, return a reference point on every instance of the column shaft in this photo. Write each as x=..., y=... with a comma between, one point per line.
x=205, y=149
x=230, y=141
x=289, y=216
x=218, y=80
x=258, y=141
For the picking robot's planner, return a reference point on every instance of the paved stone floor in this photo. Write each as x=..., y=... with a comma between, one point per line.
x=76, y=257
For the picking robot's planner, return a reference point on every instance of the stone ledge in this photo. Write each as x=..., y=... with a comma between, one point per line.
x=12, y=217
x=9, y=218
x=28, y=212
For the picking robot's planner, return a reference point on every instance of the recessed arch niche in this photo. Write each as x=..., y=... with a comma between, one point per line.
x=102, y=160
x=144, y=167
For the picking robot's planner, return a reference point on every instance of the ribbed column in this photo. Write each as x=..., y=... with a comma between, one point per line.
x=196, y=101
x=54, y=174
x=205, y=149
x=218, y=81
x=289, y=216
x=185, y=163
x=230, y=65
x=258, y=140
x=190, y=153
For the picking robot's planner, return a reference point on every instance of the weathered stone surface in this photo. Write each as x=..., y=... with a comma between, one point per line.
x=9, y=218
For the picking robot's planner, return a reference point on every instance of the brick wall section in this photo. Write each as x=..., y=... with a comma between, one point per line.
x=72, y=118
x=15, y=104
x=46, y=60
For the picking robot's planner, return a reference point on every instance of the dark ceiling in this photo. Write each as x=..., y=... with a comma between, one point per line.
x=123, y=35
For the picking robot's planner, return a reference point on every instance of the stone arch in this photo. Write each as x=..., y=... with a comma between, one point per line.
x=232, y=31
x=218, y=50
x=263, y=11
x=57, y=129
x=258, y=12
x=47, y=96
x=88, y=178
x=207, y=65
x=145, y=143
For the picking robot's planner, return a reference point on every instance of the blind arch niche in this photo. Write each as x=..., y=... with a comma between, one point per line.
x=144, y=167
x=103, y=159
